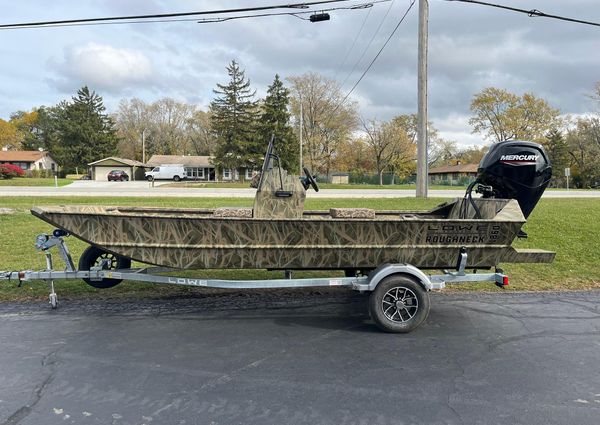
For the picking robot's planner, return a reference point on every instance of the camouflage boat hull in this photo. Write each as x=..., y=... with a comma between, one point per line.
x=213, y=239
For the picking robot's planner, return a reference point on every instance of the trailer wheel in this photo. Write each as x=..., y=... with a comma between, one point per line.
x=93, y=256
x=176, y=178
x=398, y=304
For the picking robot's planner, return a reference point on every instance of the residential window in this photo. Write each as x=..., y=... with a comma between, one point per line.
x=226, y=173
x=249, y=173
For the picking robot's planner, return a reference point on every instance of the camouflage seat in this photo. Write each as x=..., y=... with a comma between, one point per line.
x=352, y=213
x=233, y=212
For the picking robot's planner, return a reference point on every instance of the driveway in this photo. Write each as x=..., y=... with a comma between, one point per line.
x=304, y=357
x=143, y=188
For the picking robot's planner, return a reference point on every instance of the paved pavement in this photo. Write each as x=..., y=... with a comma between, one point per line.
x=142, y=188
x=301, y=358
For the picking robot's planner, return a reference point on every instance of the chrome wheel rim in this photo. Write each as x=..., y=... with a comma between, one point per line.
x=107, y=256
x=399, y=304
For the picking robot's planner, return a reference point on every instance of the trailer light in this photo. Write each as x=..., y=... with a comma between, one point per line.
x=505, y=281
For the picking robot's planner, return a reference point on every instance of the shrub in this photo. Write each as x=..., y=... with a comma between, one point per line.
x=8, y=171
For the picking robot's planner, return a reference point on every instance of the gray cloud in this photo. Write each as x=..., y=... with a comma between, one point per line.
x=471, y=47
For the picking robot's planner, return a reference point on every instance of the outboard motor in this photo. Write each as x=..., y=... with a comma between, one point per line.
x=514, y=170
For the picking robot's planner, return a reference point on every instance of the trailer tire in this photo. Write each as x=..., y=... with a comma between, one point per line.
x=92, y=257
x=399, y=304
x=176, y=178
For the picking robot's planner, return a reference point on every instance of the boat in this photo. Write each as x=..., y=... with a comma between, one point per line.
x=277, y=233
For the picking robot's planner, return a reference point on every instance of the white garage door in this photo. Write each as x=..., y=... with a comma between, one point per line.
x=101, y=173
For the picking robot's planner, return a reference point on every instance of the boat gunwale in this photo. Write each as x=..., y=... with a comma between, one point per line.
x=326, y=218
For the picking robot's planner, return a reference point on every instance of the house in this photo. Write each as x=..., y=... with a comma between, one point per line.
x=100, y=169
x=196, y=167
x=453, y=174
x=201, y=168
x=29, y=160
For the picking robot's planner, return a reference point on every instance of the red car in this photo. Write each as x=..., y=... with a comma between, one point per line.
x=118, y=176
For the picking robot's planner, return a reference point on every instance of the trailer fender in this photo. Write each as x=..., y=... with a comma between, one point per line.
x=386, y=270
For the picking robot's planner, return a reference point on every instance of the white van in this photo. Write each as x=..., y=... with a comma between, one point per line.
x=166, y=172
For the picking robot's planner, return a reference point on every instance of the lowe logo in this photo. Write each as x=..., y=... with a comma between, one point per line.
x=528, y=158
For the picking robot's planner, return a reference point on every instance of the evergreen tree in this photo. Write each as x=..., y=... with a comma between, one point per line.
x=275, y=119
x=234, y=116
x=85, y=132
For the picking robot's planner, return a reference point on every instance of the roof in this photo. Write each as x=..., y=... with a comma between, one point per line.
x=186, y=160
x=130, y=162
x=23, y=156
x=460, y=168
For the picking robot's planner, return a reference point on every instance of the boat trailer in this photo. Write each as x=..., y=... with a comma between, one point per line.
x=399, y=300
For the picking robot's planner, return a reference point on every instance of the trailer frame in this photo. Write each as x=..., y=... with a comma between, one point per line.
x=421, y=284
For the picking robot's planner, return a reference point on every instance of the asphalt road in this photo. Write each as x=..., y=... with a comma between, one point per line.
x=301, y=358
x=142, y=188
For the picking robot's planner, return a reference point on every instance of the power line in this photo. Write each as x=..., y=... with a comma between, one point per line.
x=364, y=52
x=137, y=18
x=532, y=13
x=295, y=14
x=343, y=62
x=379, y=52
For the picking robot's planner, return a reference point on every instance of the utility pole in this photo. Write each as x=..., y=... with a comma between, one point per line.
x=422, y=171
x=144, y=146
x=301, y=129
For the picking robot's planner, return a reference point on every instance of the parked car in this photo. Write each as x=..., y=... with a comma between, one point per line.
x=118, y=176
x=167, y=172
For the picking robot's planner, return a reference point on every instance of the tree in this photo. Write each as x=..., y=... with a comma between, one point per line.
x=558, y=151
x=202, y=138
x=168, y=133
x=234, y=116
x=404, y=130
x=583, y=140
x=9, y=136
x=328, y=118
x=85, y=132
x=500, y=115
x=132, y=119
x=380, y=138
x=355, y=156
x=275, y=119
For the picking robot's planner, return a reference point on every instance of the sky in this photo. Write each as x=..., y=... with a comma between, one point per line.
x=471, y=47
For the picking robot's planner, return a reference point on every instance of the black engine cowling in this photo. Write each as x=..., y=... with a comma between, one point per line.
x=516, y=170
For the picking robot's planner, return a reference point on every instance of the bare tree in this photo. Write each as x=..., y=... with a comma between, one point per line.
x=328, y=119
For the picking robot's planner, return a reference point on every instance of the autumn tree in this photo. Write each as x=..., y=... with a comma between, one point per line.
x=583, y=140
x=200, y=134
x=9, y=136
x=500, y=115
x=234, y=115
x=275, y=119
x=84, y=130
x=380, y=139
x=355, y=156
x=328, y=119
x=133, y=122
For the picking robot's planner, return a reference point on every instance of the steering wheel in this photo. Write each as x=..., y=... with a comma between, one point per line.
x=310, y=179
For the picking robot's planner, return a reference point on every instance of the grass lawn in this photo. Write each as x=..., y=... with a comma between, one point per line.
x=31, y=181
x=568, y=226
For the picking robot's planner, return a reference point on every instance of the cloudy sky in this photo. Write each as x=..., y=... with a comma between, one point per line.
x=470, y=47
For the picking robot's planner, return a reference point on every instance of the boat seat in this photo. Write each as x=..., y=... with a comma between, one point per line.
x=233, y=212
x=352, y=213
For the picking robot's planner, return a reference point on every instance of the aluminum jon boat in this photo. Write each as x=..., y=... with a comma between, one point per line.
x=278, y=234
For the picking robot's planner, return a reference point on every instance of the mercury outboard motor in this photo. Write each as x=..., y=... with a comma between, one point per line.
x=514, y=170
